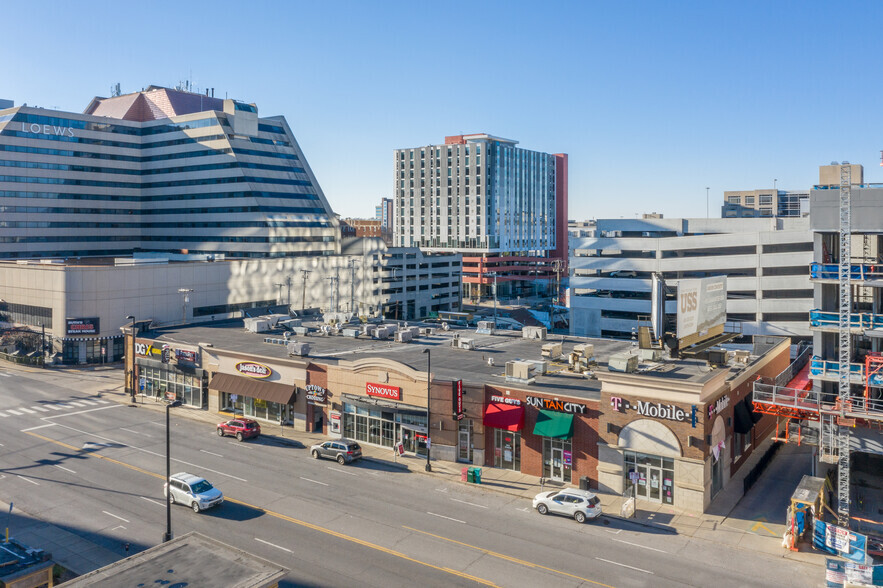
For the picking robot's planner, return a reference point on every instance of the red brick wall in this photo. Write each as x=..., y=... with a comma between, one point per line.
x=584, y=441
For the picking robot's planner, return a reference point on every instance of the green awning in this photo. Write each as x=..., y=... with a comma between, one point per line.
x=554, y=424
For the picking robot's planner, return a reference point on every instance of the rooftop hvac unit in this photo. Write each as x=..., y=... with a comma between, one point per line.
x=552, y=350
x=486, y=328
x=519, y=371
x=717, y=356
x=403, y=336
x=586, y=350
x=302, y=331
x=650, y=354
x=623, y=362
x=298, y=349
x=468, y=344
x=534, y=333
x=352, y=333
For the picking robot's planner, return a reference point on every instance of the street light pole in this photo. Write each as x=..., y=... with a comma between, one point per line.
x=132, y=372
x=428, y=396
x=43, y=345
x=168, y=533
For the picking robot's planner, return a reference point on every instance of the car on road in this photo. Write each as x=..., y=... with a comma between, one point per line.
x=192, y=491
x=579, y=504
x=342, y=450
x=239, y=428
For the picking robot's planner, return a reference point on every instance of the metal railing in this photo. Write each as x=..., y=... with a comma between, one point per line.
x=826, y=368
x=857, y=272
x=788, y=397
x=22, y=359
x=790, y=372
x=864, y=320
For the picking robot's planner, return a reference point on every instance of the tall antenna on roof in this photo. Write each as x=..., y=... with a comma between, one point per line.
x=115, y=90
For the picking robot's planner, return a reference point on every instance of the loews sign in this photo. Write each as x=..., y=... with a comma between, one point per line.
x=253, y=369
x=39, y=129
x=556, y=405
x=383, y=391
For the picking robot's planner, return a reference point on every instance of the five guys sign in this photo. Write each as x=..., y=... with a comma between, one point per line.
x=457, y=399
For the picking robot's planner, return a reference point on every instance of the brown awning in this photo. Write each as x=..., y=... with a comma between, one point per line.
x=269, y=391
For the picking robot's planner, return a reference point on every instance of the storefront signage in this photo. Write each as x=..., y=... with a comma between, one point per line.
x=186, y=355
x=648, y=409
x=457, y=399
x=147, y=350
x=316, y=393
x=82, y=326
x=383, y=391
x=47, y=129
x=556, y=405
x=506, y=400
x=719, y=406
x=253, y=369
x=840, y=541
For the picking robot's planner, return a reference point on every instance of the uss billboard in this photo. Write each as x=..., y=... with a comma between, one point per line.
x=702, y=305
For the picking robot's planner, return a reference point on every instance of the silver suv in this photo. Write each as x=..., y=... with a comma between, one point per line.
x=192, y=491
x=343, y=450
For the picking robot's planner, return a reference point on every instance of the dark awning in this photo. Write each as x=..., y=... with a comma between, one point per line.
x=509, y=417
x=554, y=424
x=742, y=421
x=269, y=391
x=755, y=416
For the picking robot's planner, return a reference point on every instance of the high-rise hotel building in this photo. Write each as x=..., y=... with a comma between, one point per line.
x=158, y=170
x=503, y=207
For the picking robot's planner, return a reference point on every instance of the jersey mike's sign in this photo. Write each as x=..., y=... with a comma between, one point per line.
x=383, y=391
x=253, y=369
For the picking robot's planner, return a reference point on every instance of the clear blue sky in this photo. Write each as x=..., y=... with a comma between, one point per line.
x=653, y=101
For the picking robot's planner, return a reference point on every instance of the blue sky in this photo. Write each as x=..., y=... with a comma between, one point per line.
x=653, y=101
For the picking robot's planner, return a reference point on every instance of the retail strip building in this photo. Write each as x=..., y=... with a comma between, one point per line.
x=676, y=430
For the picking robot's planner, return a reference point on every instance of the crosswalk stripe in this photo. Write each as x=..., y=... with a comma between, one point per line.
x=40, y=408
x=15, y=412
x=102, y=401
x=3, y=414
x=88, y=402
x=27, y=410
x=77, y=404
x=5, y=375
x=53, y=406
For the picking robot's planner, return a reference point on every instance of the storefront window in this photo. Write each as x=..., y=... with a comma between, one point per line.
x=507, y=449
x=650, y=477
x=557, y=459
x=188, y=388
x=384, y=428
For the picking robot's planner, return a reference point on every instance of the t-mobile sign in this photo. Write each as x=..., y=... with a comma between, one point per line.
x=383, y=391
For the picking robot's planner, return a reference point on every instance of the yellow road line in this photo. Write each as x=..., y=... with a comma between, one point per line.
x=285, y=517
x=508, y=557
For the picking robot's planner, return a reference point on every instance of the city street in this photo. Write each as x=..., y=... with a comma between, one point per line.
x=96, y=469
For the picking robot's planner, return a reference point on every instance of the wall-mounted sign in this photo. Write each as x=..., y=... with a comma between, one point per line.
x=457, y=399
x=253, y=369
x=657, y=411
x=316, y=393
x=556, y=405
x=147, y=350
x=383, y=391
x=47, y=129
x=186, y=355
x=82, y=326
x=506, y=400
x=718, y=407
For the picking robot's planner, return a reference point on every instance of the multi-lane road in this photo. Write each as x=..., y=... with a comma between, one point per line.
x=96, y=468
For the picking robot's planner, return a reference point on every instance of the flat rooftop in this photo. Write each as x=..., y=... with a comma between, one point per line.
x=190, y=560
x=447, y=362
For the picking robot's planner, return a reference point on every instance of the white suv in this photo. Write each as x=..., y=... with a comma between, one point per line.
x=192, y=491
x=579, y=504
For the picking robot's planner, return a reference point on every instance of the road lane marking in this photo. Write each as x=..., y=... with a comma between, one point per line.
x=638, y=545
x=40, y=408
x=340, y=471
x=68, y=414
x=118, y=527
x=469, y=503
x=444, y=517
x=313, y=481
x=273, y=545
x=10, y=411
x=616, y=563
x=211, y=453
x=39, y=427
x=135, y=432
x=153, y=501
x=28, y=480
x=65, y=469
x=508, y=557
x=293, y=520
x=110, y=514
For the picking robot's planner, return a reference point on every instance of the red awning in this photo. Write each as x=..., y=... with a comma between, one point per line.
x=508, y=417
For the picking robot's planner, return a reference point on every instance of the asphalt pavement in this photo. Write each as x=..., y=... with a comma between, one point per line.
x=87, y=472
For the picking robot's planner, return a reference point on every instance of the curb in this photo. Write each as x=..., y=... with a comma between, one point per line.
x=669, y=530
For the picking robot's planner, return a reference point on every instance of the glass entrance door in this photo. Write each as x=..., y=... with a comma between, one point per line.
x=464, y=443
x=557, y=464
x=654, y=484
x=641, y=482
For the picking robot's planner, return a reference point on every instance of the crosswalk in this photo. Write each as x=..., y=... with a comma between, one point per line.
x=50, y=406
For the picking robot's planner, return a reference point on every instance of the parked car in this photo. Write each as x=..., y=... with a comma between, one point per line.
x=579, y=504
x=343, y=450
x=192, y=491
x=240, y=428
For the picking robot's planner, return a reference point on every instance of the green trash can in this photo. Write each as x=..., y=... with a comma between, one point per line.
x=477, y=475
x=470, y=475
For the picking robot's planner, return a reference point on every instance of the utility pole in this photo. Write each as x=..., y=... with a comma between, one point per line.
x=288, y=282
x=394, y=270
x=303, y=298
x=278, y=285
x=333, y=281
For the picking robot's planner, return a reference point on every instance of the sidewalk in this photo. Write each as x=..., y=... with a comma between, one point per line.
x=724, y=523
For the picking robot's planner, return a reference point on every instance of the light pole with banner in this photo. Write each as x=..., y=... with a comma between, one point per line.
x=428, y=424
x=132, y=373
